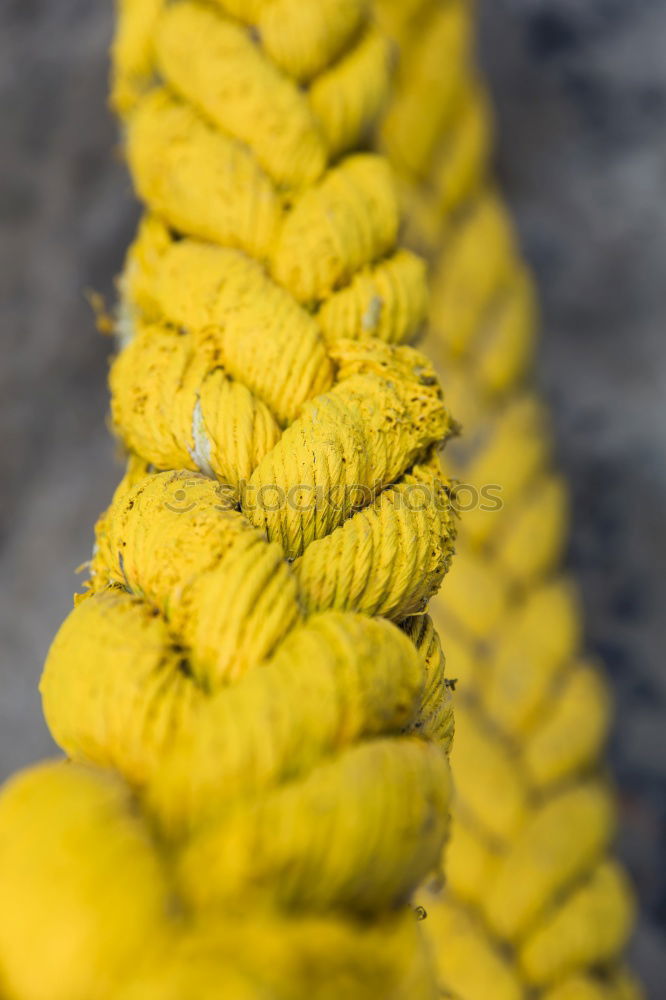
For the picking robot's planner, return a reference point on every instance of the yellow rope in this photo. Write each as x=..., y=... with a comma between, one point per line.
x=250, y=696
x=283, y=753
x=535, y=905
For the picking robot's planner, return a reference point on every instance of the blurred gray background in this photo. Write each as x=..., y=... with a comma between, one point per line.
x=580, y=92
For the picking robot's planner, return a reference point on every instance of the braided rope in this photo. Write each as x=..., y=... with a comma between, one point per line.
x=535, y=905
x=250, y=696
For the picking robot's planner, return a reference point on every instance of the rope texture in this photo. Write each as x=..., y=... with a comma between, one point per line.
x=235, y=773
x=249, y=694
x=534, y=904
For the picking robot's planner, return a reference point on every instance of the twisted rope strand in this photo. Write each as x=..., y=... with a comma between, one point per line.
x=250, y=695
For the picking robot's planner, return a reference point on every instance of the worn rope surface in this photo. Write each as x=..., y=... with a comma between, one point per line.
x=250, y=696
x=535, y=904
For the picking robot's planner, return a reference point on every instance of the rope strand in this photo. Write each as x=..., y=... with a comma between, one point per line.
x=251, y=657
x=535, y=905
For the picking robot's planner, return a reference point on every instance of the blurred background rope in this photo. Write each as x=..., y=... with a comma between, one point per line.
x=535, y=904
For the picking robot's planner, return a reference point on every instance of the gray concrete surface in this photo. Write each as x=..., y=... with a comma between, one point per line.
x=66, y=213
x=580, y=89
